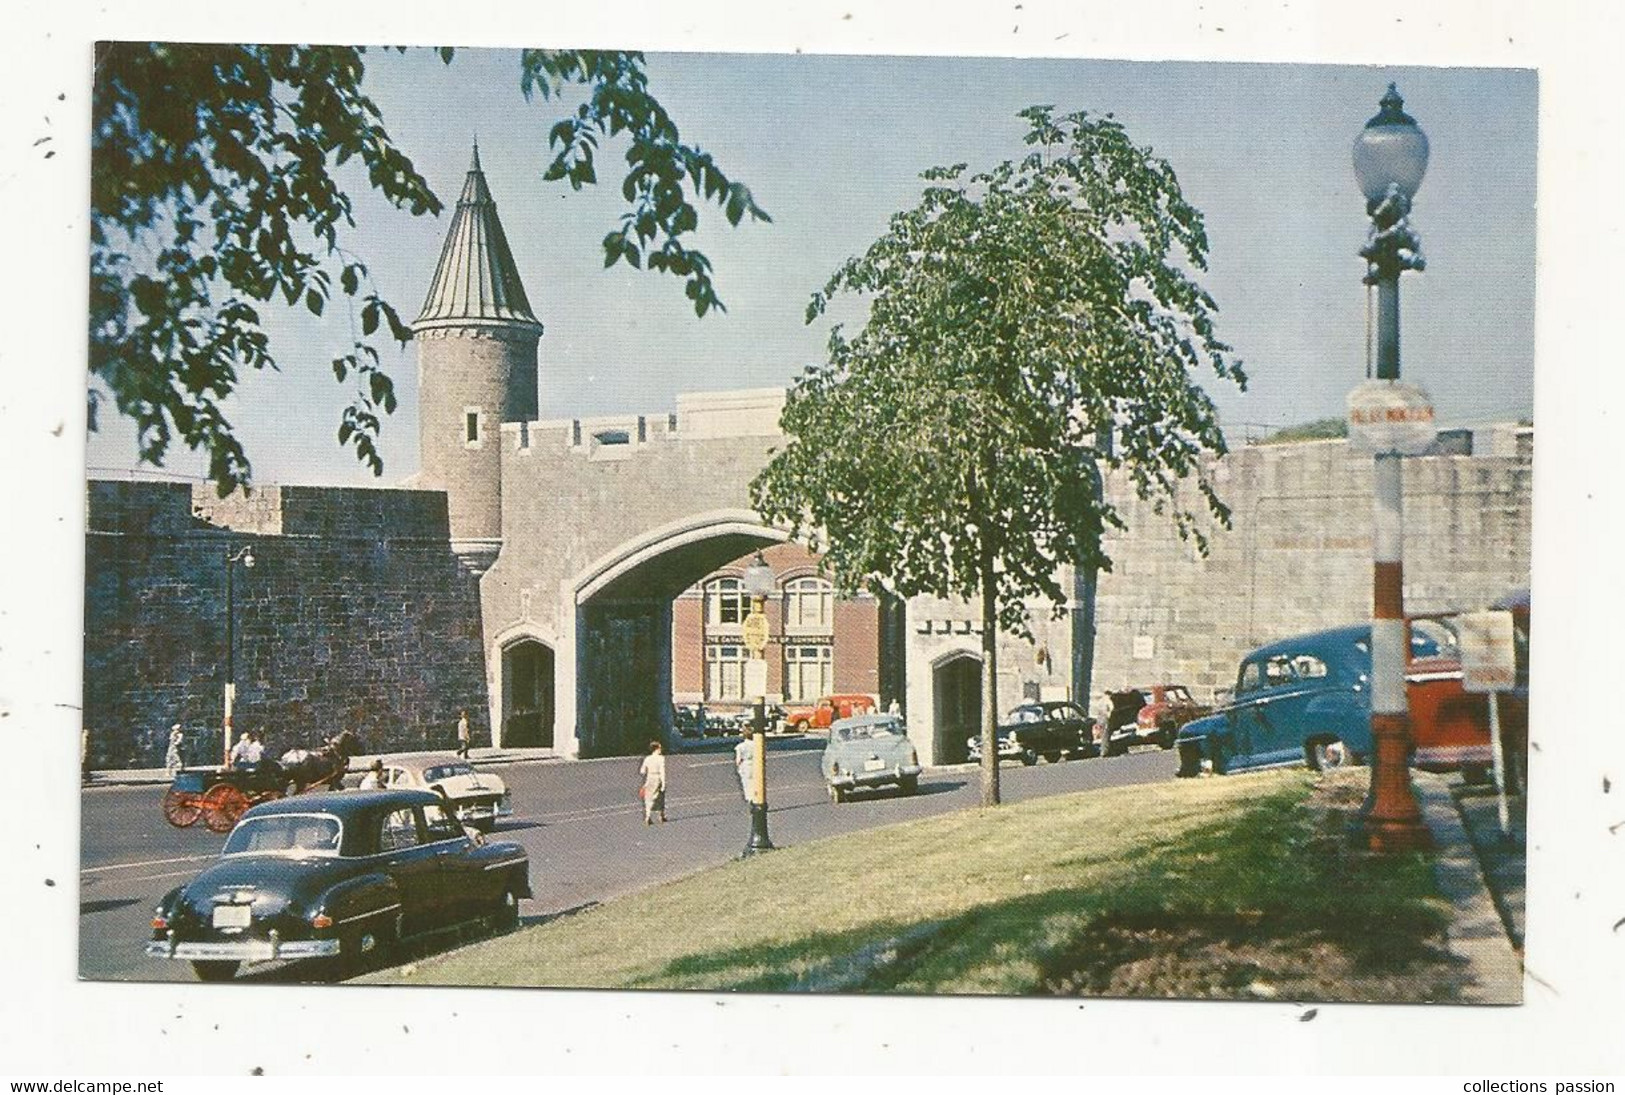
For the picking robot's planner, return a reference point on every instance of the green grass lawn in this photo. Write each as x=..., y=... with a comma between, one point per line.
x=1243, y=887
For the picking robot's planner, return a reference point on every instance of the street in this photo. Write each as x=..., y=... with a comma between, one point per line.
x=580, y=822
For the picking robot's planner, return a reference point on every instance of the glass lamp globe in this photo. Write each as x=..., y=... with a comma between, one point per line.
x=758, y=578
x=1390, y=151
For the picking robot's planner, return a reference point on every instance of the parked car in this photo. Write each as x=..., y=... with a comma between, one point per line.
x=1052, y=729
x=870, y=751
x=823, y=713
x=1149, y=715
x=478, y=798
x=744, y=722
x=335, y=875
x=1308, y=699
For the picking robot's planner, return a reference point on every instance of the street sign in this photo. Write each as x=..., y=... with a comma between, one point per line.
x=756, y=633
x=1488, y=663
x=755, y=679
x=1390, y=416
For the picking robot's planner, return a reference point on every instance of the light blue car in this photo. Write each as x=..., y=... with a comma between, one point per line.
x=870, y=751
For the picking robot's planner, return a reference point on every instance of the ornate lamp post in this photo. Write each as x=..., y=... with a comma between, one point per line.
x=245, y=556
x=759, y=583
x=1390, y=158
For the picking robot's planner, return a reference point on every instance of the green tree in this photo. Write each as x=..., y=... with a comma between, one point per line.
x=950, y=447
x=213, y=193
x=1321, y=429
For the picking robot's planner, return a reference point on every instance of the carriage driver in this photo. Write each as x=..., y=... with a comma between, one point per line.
x=249, y=751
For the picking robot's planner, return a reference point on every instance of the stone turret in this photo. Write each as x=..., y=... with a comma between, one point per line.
x=477, y=340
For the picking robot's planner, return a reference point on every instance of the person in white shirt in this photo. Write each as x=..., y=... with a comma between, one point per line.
x=240, y=753
x=745, y=762
x=374, y=779
x=653, y=790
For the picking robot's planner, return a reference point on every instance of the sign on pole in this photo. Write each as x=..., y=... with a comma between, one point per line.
x=755, y=679
x=1489, y=664
x=756, y=633
x=1391, y=416
x=1488, y=659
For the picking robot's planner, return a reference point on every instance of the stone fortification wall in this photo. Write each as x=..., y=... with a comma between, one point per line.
x=1298, y=557
x=354, y=616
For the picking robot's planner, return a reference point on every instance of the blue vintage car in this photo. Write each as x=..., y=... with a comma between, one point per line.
x=870, y=751
x=1308, y=700
x=335, y=875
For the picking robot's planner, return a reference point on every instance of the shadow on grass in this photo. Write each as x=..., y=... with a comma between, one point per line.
x=1270, y=901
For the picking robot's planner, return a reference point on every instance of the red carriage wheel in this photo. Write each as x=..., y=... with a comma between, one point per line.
x=181, y=808
x=223, y=804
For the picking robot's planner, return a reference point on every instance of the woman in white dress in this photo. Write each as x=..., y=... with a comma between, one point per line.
x=654, y=784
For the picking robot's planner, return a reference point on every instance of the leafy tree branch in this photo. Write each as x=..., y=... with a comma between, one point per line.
x=213, y=194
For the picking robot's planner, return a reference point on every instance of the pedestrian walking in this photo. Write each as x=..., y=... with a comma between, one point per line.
x=894, y=708
x=653, y=791
x=462, y=734
x=172, y=756
x=745, y=762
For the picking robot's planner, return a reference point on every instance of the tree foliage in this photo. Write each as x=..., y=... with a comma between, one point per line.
x=1321, y=429
x=213, y=193
x=952, y=445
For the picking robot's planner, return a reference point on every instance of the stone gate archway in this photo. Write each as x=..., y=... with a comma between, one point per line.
x=527, y=694
x=622, y=606
x=956, y=693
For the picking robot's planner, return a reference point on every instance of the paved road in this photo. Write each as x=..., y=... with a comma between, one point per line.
x=581, y=823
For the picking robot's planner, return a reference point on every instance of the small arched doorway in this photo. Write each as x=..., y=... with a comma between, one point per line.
x=527, y=694
x=956, y=687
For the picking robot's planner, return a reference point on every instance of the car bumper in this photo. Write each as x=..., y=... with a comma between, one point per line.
x=243, y=950
x=896, y=773
x=484, y=811
x=1449, y=758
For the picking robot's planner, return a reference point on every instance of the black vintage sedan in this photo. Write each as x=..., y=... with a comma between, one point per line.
x=334, y=875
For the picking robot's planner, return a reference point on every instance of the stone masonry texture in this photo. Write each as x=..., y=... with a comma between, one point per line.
x=355, y=616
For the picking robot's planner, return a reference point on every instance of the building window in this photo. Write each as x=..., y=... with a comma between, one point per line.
x=724, y=672
x=809, y=672
x=471, y=427
x=726, y=604
x=810, y=606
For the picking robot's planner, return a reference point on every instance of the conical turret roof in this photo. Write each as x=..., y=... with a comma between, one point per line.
x=476, y=283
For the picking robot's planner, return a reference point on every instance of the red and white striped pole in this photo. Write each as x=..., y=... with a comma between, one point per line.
x=1393, y=821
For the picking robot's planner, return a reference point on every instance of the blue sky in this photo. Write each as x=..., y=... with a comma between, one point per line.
x=833, y=145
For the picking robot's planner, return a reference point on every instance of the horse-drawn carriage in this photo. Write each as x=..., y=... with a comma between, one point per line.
x=219, y=795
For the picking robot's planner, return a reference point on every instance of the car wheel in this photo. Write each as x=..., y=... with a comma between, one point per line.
x=909, y=784
x=1190, y=759
x=215, y=971
x=1165, y=737
x=1053, y=758
x=1029, y=757
x=506, y=916
x=1326, y=754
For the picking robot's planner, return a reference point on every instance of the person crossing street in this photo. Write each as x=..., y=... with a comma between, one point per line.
x=653, y=791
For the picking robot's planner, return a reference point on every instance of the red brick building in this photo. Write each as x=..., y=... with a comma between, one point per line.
x=818, y=642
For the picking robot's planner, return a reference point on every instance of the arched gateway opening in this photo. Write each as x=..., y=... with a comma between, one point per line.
x=956, y=687
x=527, y=694
x=624, y=628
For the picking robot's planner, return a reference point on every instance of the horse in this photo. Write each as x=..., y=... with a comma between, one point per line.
x=307, y=767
